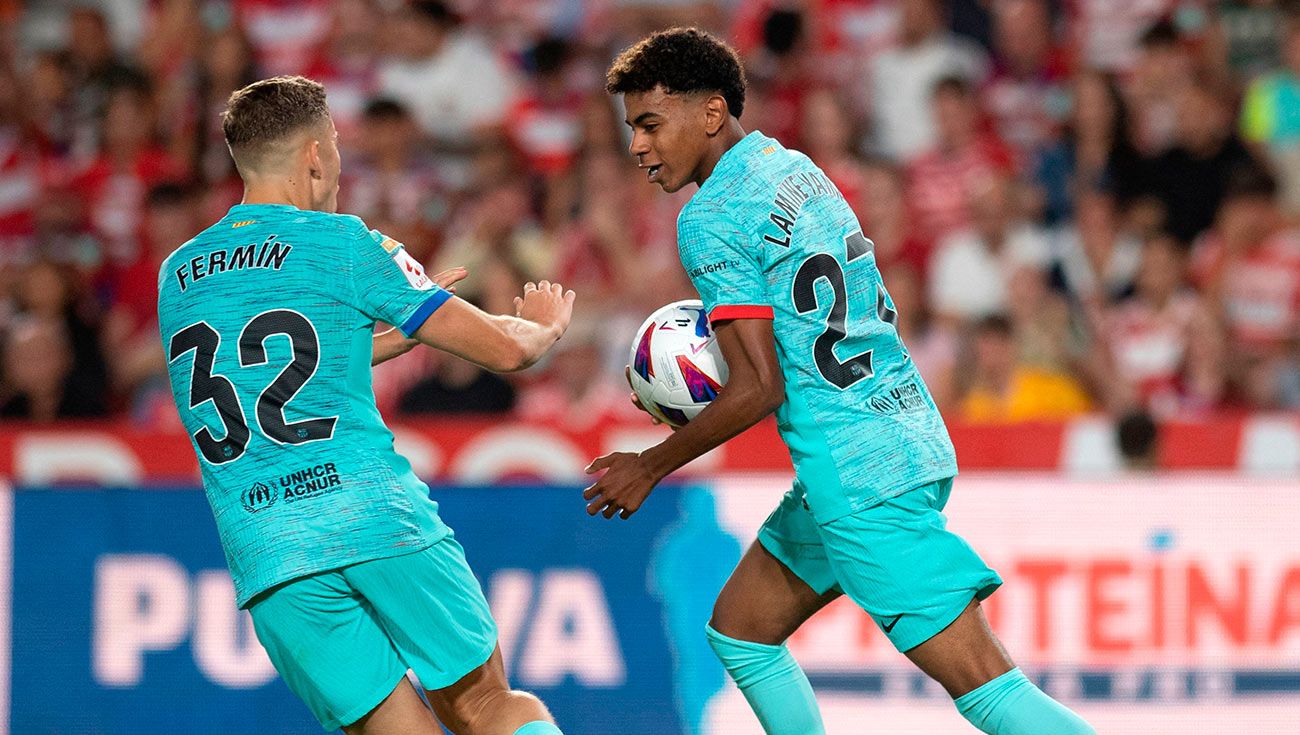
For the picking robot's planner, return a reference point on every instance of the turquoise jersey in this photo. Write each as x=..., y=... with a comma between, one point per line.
x=769, y=236
x=267, y=319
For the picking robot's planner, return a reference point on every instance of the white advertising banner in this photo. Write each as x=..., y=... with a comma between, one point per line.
x=1155, y=604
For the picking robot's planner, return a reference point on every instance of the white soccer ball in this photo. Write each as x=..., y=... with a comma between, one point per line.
x=677, y=368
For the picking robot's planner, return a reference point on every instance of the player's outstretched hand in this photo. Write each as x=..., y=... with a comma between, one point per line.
x=546, y=303
x=625, y=485
x=448, y=278
x=636, y=400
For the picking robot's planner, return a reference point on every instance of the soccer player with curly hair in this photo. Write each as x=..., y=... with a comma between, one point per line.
x=808, y=330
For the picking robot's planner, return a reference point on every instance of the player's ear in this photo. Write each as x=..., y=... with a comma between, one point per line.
x=313, y=159
x=715, y=114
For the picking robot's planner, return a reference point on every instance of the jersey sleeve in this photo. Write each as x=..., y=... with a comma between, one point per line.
x=391, y=286
x=722, y=266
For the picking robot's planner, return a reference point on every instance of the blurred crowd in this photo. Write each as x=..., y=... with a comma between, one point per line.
x=1077, y=205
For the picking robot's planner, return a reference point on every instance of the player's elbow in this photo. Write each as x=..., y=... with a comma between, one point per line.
x=510, y=357
x=771, y=391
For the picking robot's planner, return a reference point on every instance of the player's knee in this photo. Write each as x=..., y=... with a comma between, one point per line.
x=734, y=622
x=469, y=713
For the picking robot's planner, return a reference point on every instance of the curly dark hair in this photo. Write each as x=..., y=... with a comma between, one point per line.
x=682, y=60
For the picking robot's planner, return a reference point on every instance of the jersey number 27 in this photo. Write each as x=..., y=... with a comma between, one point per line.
x=824, y=265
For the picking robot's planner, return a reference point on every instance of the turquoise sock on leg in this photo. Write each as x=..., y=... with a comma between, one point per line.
x=773, y=684
x=538, y=727
x=1012, y=705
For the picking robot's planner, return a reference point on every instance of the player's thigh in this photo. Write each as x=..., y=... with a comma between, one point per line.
x=433, y=610
x=899, y=562
x=780, y=582
x=328, y=647
x=401, y=713
x=964, y=655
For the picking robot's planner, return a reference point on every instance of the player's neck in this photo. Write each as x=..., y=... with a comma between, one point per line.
x=278, y=191
x=730, y=135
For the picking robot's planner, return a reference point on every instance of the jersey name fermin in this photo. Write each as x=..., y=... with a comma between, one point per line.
x=267, y=320
x=769, y=236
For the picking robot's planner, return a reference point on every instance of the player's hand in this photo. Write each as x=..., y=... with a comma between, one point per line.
x=625, y=485
x=636, y=400
x=546, y=303
x=448, y=278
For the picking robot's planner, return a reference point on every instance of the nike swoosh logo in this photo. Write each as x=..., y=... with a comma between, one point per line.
x=696, y=349
x=889, y=627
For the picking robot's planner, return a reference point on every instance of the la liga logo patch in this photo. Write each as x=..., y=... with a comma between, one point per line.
x=411, y=269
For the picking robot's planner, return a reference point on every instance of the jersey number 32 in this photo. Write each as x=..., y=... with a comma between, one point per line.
x=269, y=411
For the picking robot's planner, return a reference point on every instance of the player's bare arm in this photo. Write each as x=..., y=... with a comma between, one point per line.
x=754, y=389
x=392, y=343
x=502, y=343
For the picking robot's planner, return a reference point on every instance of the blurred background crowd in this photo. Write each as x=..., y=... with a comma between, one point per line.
x=1077, y=205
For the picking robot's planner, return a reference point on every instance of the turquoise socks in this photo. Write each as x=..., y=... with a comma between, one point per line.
x=538, y=727
x=773, y=684
x=1012, y=705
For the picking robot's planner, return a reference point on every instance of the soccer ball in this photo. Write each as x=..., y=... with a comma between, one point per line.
x=677, y=368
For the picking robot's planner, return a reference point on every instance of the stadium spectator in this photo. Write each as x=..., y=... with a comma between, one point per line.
x=1109, y=35
x=780, y=74
x=345, y=62
x=1246, y=38
x=49, y=105
x=1093, y=149
x=501, y=244
x=1027, y=96
x=970, y=271
x=1270, y=115
x=826, y=136
x=1095, y=258
x=965, y=156
x=1001, y=389
x=1249, y=265
x=1163, y=70
x=1165, y=343
x=114, y=184
x=1188, y=180
x=395, y=185
x=883, y=213
x=545, y=123
x=95, y=73
x=284, y=33
x=903, y=79
x=446, y=75
x=224, y=64
x=37, y=364
x=844, y=36
x=137, y=367
x=456, y=386
x=1138, y=438
x=63, y=336
x=566, y=395
x=1040, y=322
x=20, y=170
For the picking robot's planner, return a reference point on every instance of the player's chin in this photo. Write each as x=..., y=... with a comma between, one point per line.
x=671, y=187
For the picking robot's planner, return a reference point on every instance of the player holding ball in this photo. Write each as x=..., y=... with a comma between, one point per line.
x=806, y=327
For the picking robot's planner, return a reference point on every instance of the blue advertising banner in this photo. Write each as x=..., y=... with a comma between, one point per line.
x=123, y=615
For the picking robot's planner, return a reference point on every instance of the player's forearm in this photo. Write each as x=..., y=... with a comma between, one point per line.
x=390, y=344
x=738, y=406
x=527, y=341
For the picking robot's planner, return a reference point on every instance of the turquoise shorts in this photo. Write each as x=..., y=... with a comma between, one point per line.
x=343, y=639
x=897, y=560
